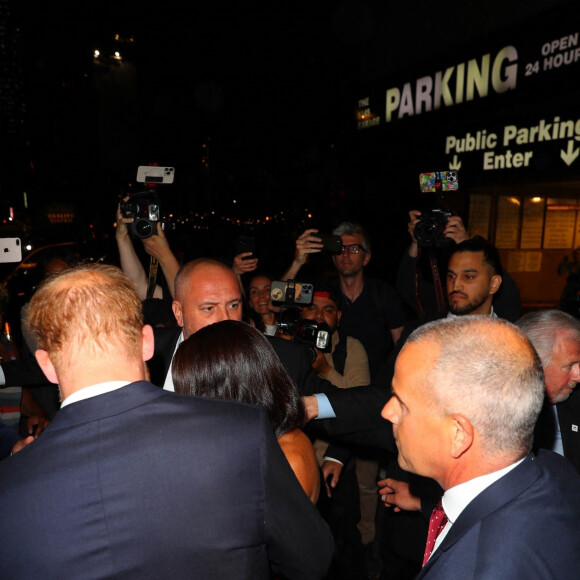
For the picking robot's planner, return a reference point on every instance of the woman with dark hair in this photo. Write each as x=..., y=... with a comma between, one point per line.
x=233, y=360
x=260, y=309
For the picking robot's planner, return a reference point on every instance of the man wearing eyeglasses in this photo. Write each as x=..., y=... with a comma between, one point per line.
x=372, y=309
x=473, y=279
x=374, y=313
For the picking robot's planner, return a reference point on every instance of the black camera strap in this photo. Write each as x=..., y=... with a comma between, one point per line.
x=439, y=295
x=420, y=310
x=153, y=265
x=437, y=281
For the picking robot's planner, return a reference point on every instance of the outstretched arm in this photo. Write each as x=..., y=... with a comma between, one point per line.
x=414, y=216
x=244, y=263
x=397, y=494
x=10, y=441
x=130, y=263
x=158, y=247
x=305, y=245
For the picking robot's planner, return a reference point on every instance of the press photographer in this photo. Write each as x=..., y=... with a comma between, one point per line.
x=143, y=209
x=324, y=310
x=423, y=267
x=293, y=297
x=429, y=228
x=139, y=218
x=350, y=502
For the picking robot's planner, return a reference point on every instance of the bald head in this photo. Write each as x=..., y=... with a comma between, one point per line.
x=206, y=291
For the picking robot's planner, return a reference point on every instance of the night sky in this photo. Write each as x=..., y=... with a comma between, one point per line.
x=270, y=87
x=274, y=85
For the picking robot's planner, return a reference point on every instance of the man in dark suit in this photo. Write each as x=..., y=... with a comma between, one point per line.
x=556, y=337
x=473, y=279
x=130, y=481
x=207, y=291
x=472, y=283
x=466, y=396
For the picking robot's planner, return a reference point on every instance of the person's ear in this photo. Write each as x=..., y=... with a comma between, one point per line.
x=148, y=347
x=44, y=362
x=495, y=283
x=367, y=258
x=178, y=312
x=461, y=434
x=338, y=316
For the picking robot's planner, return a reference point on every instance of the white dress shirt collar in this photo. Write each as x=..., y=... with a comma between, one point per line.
x=93, y=391
x=457, y=498
x=168, y=384
x=451, y=315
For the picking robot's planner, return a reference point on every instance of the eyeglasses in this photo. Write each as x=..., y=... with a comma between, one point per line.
x=352, y=249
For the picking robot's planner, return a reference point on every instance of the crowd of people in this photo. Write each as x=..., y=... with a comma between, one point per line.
x=205, y=430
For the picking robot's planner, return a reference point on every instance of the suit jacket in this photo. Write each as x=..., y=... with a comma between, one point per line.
x=358, y=409
x=8, y=438
x=358, y=412
x=525, y=525
x=569, y=419
x=143, y=483
x=296, y=358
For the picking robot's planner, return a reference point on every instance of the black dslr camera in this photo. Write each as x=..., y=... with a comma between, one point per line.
x=429, y=229
x=145, y=209
x=291, y=295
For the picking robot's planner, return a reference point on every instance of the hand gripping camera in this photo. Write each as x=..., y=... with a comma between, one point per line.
x=145, y=209
x=291, y=296
x=429, y=229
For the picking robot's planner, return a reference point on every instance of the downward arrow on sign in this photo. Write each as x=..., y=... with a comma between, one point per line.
x=569, y=156
x=455, y=164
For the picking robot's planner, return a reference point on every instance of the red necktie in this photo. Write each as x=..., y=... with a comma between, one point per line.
x=436, y=524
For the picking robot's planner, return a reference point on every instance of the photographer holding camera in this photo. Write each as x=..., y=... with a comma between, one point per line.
x=374, y=313
x=373, y=310
x=156, y=245
x=344, y=363
x=418, y=277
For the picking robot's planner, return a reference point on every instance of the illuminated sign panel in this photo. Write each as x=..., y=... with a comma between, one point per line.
x=508, y=105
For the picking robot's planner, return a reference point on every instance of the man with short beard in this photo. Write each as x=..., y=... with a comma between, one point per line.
x=473, y=278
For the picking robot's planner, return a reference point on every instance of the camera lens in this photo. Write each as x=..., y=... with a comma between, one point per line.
x=427, y=231
x=144, y=229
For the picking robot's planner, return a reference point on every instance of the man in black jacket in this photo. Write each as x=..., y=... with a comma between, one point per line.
x=556, y=338
x=207, y=291
x=473, y=279
x=421, y=272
